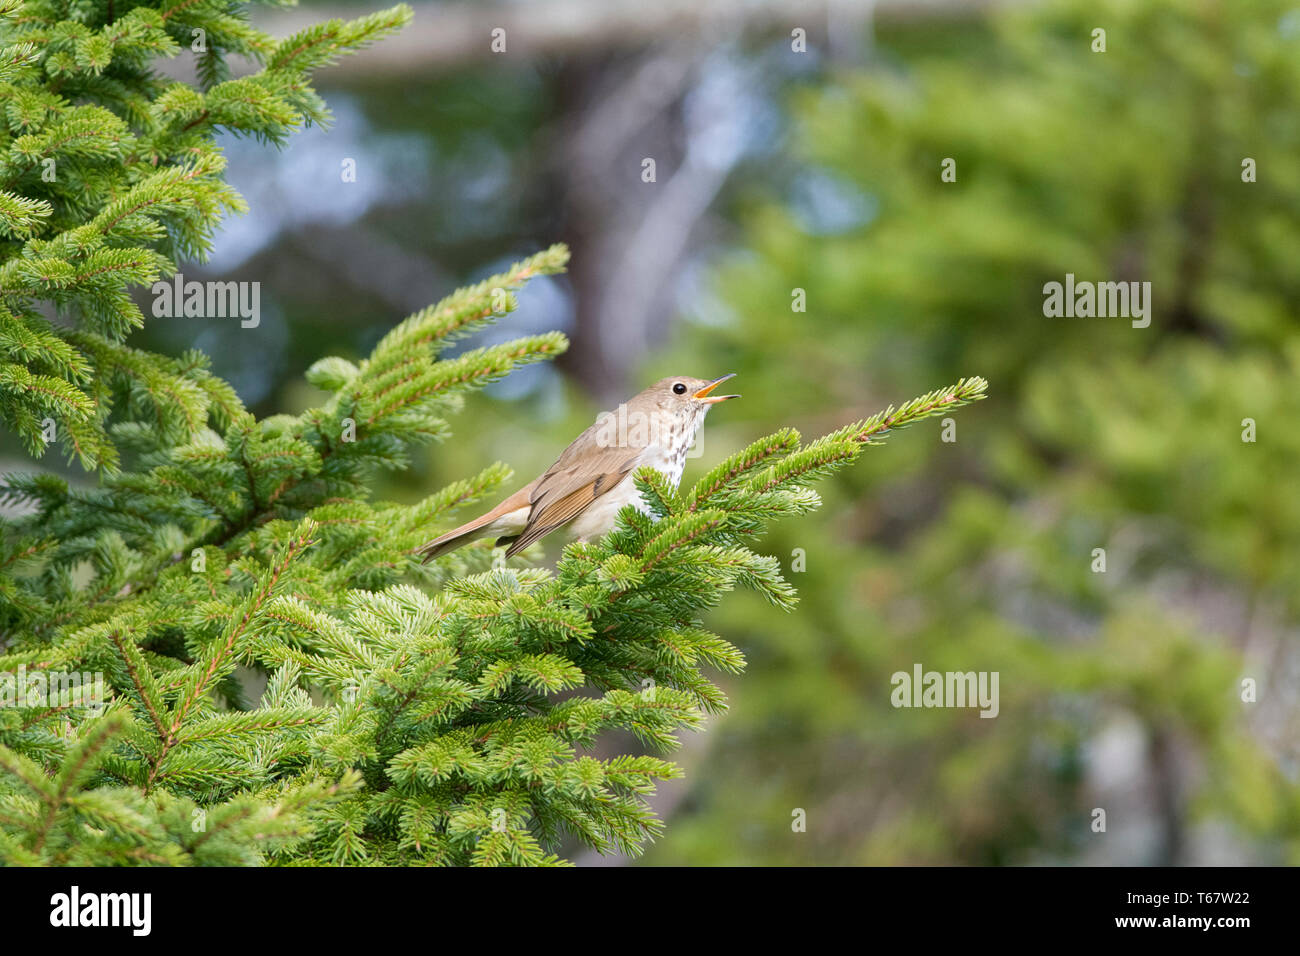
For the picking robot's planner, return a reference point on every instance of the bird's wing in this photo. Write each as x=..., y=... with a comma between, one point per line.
x=570, y=486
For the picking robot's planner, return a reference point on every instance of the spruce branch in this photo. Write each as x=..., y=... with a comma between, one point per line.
x=139, y=185
x=400, y=724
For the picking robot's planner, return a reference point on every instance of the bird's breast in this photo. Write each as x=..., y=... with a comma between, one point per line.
x=670, y=462
x=598, y=517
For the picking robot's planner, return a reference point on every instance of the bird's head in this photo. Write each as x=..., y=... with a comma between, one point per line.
x=683, y=394
x=667, y=414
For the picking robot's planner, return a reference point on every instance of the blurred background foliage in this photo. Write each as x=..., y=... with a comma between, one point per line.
x=780, y=170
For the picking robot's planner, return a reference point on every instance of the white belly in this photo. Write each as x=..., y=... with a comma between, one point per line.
x=599, y=516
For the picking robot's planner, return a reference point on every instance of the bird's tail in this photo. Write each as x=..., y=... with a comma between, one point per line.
x=500, y=520
x=452, y=540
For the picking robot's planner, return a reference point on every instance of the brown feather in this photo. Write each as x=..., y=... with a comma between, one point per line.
x=470, y=530
x=582, y=473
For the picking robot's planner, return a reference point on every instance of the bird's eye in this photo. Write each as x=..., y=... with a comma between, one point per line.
x=679, y=388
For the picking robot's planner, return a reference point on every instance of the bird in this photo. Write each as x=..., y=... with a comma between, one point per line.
x=591, y=480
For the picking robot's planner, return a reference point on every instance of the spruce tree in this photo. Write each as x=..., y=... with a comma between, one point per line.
x=412, y=713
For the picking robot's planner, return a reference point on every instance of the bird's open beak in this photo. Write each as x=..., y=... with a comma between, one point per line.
x=703, y=394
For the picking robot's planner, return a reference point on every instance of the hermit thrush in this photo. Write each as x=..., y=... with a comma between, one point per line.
x=591, y=480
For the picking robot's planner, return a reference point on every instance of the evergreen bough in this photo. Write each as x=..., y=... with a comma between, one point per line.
x=412, y=713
